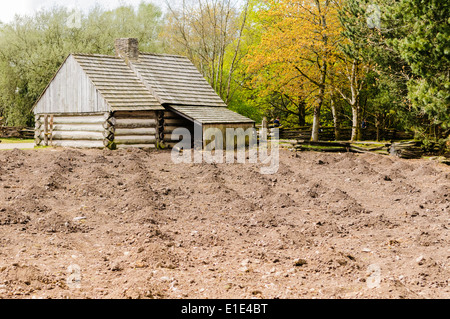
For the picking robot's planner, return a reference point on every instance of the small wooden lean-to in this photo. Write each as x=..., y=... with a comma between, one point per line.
x=132, y=99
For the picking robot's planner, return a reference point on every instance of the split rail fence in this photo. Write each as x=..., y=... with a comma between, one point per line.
x=16, y=132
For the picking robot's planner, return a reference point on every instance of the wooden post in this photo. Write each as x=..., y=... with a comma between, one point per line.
x=45, y=130
x=37, y=130
x=110, y=130
x=160, y=130
x=51, y=130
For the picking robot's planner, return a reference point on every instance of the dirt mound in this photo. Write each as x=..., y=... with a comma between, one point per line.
x=29, y=277
x=284, y=200
x=349, y=208
x=316, y=189
x=402, y=167
x=337, y=195
x=373, y=221
x=364, y=169
x=347, y=162
x=394, y=174
x=426, y=170
x=56, y=223
x=375, y=159
x=136, y=225
x=54, y=181
x=9, y=216
x=439, y=195
x=17, y=154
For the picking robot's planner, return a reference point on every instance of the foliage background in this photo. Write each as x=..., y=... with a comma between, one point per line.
x=321, y=60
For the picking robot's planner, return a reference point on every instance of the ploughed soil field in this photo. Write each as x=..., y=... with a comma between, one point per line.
x=132, y=224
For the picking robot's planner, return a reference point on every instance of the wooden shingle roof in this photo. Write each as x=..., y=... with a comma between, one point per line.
x=117, y=83
x=175, y=80
x=210, y=115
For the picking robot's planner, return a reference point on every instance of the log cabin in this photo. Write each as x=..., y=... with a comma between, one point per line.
x=132, y=99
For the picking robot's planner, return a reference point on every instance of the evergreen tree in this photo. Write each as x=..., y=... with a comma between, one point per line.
x=425, y=46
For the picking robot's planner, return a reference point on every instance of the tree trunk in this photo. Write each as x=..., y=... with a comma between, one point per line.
x=316, y=124
x=356, y=119
x=320, y=98
x=336, y=120
x=377, y=125
x=301, y=113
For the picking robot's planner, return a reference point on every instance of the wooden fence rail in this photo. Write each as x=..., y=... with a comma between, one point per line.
x=16, y=132
x=407, y=150
x=339, y=147
x=328, y=134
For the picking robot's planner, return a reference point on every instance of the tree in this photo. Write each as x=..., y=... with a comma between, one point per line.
x=298, y=46
x=33, y=48
x=353, y=63
x=210, y=33
x=425, y=46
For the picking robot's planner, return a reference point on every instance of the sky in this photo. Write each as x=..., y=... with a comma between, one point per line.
x=9, y=8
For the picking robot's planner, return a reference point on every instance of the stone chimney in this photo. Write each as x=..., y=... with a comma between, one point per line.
x=127, y=48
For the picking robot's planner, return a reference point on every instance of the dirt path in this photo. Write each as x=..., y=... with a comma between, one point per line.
x=11, y=146
x=132, y=224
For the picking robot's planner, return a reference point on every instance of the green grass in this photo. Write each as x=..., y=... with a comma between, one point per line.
x=369, y=146
x=16, y=140
x=319, y=147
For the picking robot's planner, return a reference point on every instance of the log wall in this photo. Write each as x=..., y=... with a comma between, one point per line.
x=86, y=131
x=172, y=121
x=114, y=130
x=223, y=129
x=124, y=129
x=137, y=129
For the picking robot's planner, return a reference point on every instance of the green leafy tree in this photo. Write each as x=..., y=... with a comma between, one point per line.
x=359, y=20
x=426, y=48
x=33, y=48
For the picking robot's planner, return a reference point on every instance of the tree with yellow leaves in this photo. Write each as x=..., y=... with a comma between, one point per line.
x=300, y=41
